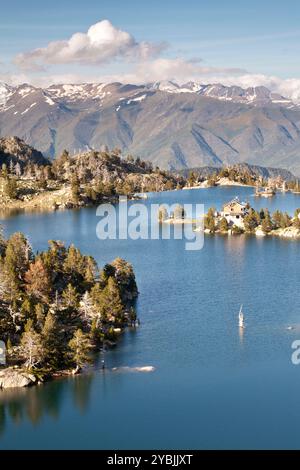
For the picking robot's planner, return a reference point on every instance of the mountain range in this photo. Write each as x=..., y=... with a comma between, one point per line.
x=174, y=126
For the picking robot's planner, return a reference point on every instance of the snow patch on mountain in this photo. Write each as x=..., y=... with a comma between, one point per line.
x=28, y=109
x=49, y=100
x=138, y=98
x=253, y=95
x=78, y=92
x=5, y=93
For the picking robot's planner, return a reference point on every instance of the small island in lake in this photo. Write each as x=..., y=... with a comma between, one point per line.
x=56, y=308
x=238, y=217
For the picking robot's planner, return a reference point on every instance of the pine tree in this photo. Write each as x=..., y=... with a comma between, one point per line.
x=52, y=343
x=209, y=220
x=39, y=315
x=18, y=254
x=31, y=346
x=251, y=221
x=87, y=308
x=277, y=218
x=11, y=167
x=70, y=297
x=296, y=221
x=110, y=304
x=26, y=310
x=18, y=170
x=37, y=280
x=4, y=172
x=223, y=225
x=75, y=190
x=267, y=225
x=162, y=214
x=10, y=188
x=125, y=277
x=80, y=346
x=132, y=316
x=90, y=270
x=285, y=220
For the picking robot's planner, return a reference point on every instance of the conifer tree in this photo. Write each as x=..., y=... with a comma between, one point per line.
x=52, y=343
x=75, y=189
x=37, y=280
x=4, y=172
x=267, y=224
x=31, y=346
x=18, y=253
x=80, y=346
x=110, y=303
x=125, y=277
x=251, y=221
x=209, y=220
x=70, y=297
x=162, y=214
x=90, y=270
x=87, y=308
x=10, y=188
x=223, y=225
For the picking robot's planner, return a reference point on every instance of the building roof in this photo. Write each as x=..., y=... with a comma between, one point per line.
x=234, y=206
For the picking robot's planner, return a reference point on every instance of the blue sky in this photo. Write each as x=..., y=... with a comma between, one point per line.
x=258, y=37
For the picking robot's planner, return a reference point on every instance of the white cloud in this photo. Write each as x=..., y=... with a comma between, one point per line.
x=289, y=87
x=178, y=69
x=181, y=71
x=102, y=43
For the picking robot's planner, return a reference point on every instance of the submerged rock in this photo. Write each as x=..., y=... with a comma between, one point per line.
x=134, y=369
x=11, y=378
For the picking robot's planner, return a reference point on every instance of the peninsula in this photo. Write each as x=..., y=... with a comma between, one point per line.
x=57, y=307
x=31, y=182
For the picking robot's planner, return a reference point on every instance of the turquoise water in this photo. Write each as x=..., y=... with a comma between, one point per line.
x=213, y=387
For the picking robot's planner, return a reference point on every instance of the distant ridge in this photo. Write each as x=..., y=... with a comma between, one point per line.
x=173, y=126
x=253, y=170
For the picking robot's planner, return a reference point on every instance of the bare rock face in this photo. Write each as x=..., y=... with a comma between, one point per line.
x=11, y=378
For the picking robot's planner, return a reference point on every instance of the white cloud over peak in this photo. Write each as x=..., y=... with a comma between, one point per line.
x=140, y=62
x=102, y=43
x=179, y=69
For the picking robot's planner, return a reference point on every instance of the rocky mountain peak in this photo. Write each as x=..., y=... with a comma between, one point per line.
x=16, y=149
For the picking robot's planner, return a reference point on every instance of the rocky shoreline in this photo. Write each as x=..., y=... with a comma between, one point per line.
x=47, y=201
x=16, y=377
x=288, y=232
x=13, y=377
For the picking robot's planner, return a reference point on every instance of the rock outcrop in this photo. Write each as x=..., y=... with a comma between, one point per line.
x=13, y=377
x=288, y=232
x=16, y=150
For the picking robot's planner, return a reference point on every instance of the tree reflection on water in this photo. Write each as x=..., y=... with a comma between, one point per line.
x=34, y=403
